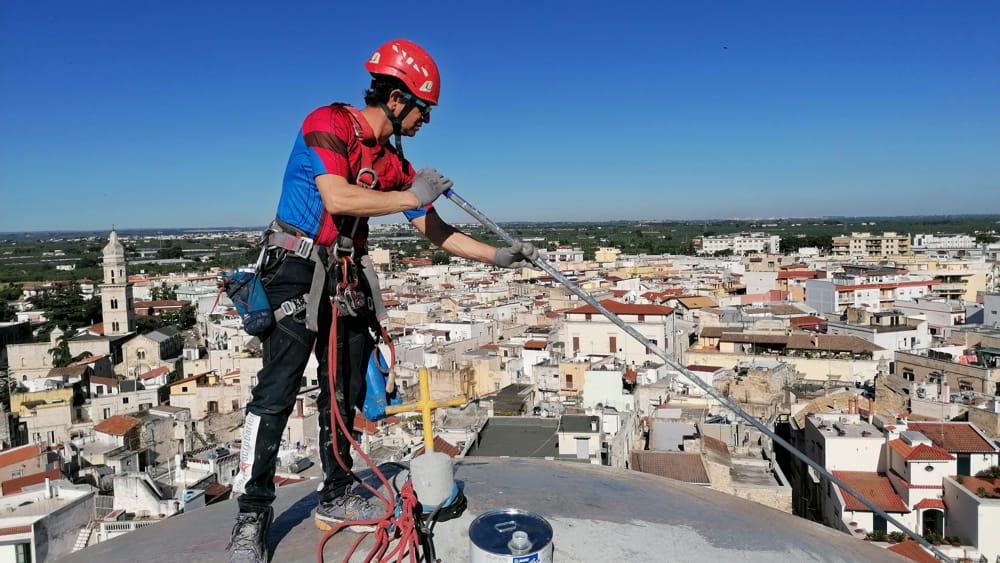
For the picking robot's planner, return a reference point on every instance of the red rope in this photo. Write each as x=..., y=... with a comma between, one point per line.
x=390, y=526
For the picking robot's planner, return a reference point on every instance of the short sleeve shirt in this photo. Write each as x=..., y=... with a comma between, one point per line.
x=335, y=139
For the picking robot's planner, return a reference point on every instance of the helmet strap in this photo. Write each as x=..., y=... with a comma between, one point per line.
x=397, y=123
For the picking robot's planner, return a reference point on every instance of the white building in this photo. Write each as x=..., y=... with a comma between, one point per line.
x=943, y=242
x=972, y=515
x=890, y=330
x=836, y=295
x=605, y=387
x=587, y=332
x=741, y=243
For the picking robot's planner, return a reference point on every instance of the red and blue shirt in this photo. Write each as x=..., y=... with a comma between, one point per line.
x=333, y=141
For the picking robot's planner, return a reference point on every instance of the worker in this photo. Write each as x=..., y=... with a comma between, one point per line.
x=342, y=171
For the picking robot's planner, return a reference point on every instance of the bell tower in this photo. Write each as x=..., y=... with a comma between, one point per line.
x=116, y=292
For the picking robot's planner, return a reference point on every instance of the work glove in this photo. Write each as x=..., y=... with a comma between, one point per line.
x=428, y=184
x=518, y=255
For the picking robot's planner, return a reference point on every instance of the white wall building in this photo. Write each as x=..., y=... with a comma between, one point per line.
x=942, y=242
x=974, y=518
x=741, y=243
x=587, y=332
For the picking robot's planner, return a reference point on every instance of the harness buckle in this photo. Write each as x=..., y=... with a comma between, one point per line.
x=303, y=247
x=293, y=306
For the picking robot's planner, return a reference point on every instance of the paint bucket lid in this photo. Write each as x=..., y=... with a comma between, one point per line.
x=491, y=531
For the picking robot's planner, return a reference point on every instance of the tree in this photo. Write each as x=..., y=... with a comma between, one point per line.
x=10, y=292
x=7, y=313
x=67, y=308
x=61, y=356
x=8, y=385
x=992, y=472
x=440, y=258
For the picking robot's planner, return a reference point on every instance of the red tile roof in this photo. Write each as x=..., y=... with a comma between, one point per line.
x=11, y=456
x=714, y=444
x=443, y=446
x=706, y=369
x=913, y=551
x=623, y=309
x=16, y=485
x=789, y=274
x=930, y=503
x=681, y=466
x=920, y=452
x=104, y=381
x=990, y=485
x=15, y=530
x=953, y=436
x=117, y=425
x=873, y=486
x=155, y=373
x=535, y=344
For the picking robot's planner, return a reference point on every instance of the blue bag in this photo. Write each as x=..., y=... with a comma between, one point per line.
x=376, y=397
x=251, y=302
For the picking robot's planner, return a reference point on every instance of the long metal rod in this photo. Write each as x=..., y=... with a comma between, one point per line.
x=672, y=362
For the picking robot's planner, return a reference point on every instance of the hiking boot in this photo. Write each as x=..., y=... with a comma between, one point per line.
x=348, y=507
x=249, y=543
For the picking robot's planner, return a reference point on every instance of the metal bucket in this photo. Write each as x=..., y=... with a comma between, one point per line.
x=492, y=538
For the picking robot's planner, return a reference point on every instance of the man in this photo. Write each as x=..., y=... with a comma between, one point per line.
x=342, y=171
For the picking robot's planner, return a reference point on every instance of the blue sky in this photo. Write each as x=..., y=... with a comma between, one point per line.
x=182, y=113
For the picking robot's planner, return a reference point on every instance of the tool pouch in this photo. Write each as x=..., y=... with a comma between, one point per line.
x=248, y=296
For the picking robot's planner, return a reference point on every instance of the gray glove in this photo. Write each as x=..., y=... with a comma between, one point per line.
x=428, y=185
x=518, y=255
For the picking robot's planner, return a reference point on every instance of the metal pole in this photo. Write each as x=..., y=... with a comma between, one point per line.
x=589, y=299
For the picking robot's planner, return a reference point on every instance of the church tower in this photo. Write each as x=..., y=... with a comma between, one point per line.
x=116, y=292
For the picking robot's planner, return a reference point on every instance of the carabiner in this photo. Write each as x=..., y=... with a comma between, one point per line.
x=368, y=185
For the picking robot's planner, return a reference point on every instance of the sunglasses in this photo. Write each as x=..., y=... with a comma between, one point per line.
x=422, y=106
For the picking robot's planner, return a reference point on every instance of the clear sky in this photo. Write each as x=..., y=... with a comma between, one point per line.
x=182, y=113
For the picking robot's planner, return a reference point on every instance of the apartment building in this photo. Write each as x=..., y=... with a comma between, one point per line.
x=837, y=294
x=866, y=244
x=739, y=244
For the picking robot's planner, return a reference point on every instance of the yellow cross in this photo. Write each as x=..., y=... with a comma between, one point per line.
x=425, y=405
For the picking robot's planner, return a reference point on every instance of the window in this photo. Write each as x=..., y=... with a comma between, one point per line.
x=114, y=303
x=22, y=553
x=236, y=404
x=576, y=343
x=184, y=389
x=124, y=400
x=114, y=326
x=642, y=318
x=107, y=413
x=587, y=316
x=16, y=474
x=140, y=353
x=100, y=389
x=612, y=344
x=569, y=380
x=52, y=436
x=213, y=407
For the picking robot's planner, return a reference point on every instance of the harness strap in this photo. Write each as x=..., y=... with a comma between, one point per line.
x=368, y=269
x=315, y=291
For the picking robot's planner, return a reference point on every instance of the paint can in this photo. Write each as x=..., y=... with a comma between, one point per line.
x=510, y=536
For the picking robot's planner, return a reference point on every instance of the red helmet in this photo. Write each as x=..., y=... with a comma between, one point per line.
x=408, y=62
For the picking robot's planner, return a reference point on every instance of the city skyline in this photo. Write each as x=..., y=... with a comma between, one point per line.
x=182, y=115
